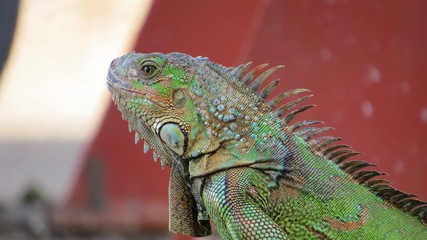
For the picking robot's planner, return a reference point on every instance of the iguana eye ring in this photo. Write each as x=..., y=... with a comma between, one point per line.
x=149, y=69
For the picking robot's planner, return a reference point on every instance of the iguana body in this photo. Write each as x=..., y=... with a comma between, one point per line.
x=236, y=161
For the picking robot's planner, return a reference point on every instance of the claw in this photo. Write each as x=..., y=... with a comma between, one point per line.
x=155, y=156
x=129, y=127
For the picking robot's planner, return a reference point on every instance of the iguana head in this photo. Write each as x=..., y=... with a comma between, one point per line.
x=155, y=93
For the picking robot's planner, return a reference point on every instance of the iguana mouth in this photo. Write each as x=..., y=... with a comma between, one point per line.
x=114, y=86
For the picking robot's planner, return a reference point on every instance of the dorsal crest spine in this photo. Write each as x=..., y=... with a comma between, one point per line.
x=339, y=153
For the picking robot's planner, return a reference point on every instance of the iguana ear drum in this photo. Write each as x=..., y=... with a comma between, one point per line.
x=172, y=135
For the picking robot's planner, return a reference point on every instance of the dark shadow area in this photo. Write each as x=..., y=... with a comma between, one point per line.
x=8, y=17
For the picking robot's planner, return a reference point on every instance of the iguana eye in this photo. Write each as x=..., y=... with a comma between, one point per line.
x=148, y=69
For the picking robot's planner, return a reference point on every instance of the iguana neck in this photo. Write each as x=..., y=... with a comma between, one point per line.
x=266, y=144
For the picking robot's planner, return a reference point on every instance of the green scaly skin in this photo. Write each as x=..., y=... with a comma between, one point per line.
x=235, y=161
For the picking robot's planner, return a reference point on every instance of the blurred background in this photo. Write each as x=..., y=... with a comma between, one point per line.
x=68, y=166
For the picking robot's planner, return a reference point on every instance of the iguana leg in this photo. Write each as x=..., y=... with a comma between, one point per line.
x=234, y=212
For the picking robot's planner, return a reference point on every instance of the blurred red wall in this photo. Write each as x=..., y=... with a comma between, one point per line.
x=363, y=60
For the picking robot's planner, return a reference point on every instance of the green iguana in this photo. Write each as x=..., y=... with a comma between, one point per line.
x=236, y=159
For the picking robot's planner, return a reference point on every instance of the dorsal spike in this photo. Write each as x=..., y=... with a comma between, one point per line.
x=252, y=73
x=321, y=142
x=367, y=177
x=400, y=196
x=235, y=70
x=333, y=148
x=376, y=182
x=274, y=101
x=420, y=211
x=313, y=133
x=261, y=78
x=353, y=166
x=279, y=112
x=415, y=204
x=409, y=204
x=240, y=70
x=381, y=187
x=303, y=123
x=337, y=153
x=292, y=114
x=387, y=192
x=305, y=131
x=345, y=156
x=363, y=176
x=219, y=68
x=267, y=90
